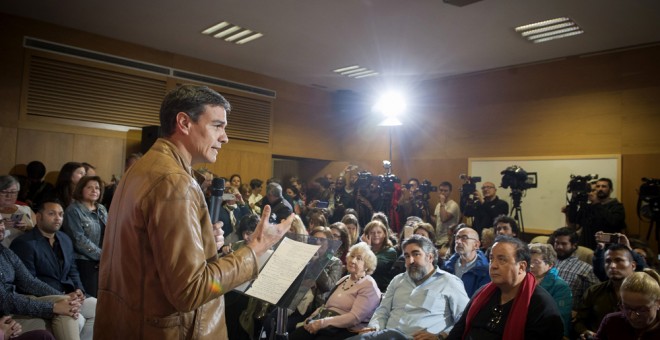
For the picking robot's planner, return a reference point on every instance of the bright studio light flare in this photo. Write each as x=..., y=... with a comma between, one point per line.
x=390, y=105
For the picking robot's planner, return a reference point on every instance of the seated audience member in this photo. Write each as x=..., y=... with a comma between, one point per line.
x=511, y=306
x=599, y=255
x=353, y=226
x=84, y=222
x=578, y=274
x=487, y=239
x=235, y=181
x=37, y=189
x=90, y=170
x=231, y=213
x=67, y=179
x=297, y=226
x=426, y=230
x=644, y=250
x=256, y=185
x=350, y=304
x=280, y=208
x=468, y=262
x=543, y=268
x=47, y=252
x=10, y=329
x=603, y=298
x=505, y=225
x=408, y=230
x=42, y=305
x=425, y=301
x=298, y=204
x=377, y=236
x=447, y=213
x=340, y=233
x=18, y=218
x=638, y=317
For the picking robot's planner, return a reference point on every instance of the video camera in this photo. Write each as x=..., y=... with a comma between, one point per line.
x=648, y=204
x=468, y=201
x=579, y=187
x=518, y=179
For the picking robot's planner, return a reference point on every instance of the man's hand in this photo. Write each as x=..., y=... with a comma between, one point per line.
x=67, y=306
x=77, y=295
x=267, y=234
x=218, y=235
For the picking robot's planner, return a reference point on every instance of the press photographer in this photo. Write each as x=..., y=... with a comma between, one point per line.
x=415, y=200
x=374, y=193
x=485, y=206
x=604, y=214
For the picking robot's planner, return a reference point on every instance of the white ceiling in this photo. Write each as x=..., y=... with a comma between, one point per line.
x=404, y=40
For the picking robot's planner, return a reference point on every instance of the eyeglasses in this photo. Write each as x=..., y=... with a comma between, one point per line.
x=495, y=318
x=9, y=193
x=464, y=238
x=638, y=312
x=487, y=187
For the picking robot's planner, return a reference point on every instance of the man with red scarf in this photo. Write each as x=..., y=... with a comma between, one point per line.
x=512, y=306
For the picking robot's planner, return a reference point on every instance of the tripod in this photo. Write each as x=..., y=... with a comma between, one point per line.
x=516, y=210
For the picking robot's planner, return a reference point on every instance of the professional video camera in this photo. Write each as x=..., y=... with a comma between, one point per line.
x=579, y=188
x=648, y=204
x=468, y=201
x=517, y=178
x=385, y=181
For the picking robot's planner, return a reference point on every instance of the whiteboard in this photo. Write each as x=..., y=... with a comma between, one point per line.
x=541, y=207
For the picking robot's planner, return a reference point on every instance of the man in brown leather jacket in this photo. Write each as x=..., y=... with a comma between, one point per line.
x=160, y=275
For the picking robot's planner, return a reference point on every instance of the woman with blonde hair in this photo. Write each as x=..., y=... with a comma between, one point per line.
x=377, y=236
x=638, y=317
x=351, y=303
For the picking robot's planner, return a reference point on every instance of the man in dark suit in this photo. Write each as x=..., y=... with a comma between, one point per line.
x=48, y=252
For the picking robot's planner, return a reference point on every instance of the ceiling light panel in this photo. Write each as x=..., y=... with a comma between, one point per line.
x=232, y=33
x=355, y=72
x=549, y=30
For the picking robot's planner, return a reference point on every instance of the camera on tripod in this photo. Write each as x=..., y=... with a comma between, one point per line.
x=518, y=179
x=648, y=206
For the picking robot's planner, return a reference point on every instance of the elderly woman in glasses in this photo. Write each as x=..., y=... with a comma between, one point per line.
x=18, y=218
x=544, y=259
x=638, y=317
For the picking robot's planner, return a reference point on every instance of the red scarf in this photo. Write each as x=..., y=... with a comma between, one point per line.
x=515, y=321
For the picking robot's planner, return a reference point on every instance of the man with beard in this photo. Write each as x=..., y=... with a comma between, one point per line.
x=578, y=274
x=605, y=214
x=512, y=306
x=424, y=302
x=603, y=298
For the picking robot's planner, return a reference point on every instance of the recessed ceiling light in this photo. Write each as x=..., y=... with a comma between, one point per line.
x=232, y=33
x=355, y=72
x=549, y=30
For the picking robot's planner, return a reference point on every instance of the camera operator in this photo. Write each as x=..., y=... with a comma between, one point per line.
x=447, y=213
x=408, y=206
x=488, y=207
x=368, y=199
x=341, y=200
x=604, y=214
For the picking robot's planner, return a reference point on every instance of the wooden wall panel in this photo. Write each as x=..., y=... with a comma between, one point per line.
x=105, y=153
x=7, y=148
x=51, y=148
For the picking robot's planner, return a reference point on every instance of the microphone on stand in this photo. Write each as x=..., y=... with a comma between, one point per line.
x=215, y=204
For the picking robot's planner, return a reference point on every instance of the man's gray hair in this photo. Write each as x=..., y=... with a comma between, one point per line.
x=274, y=189
x=424, y=243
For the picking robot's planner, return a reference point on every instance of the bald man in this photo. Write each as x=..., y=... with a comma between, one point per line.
x=488, y=207
x=468, y=262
